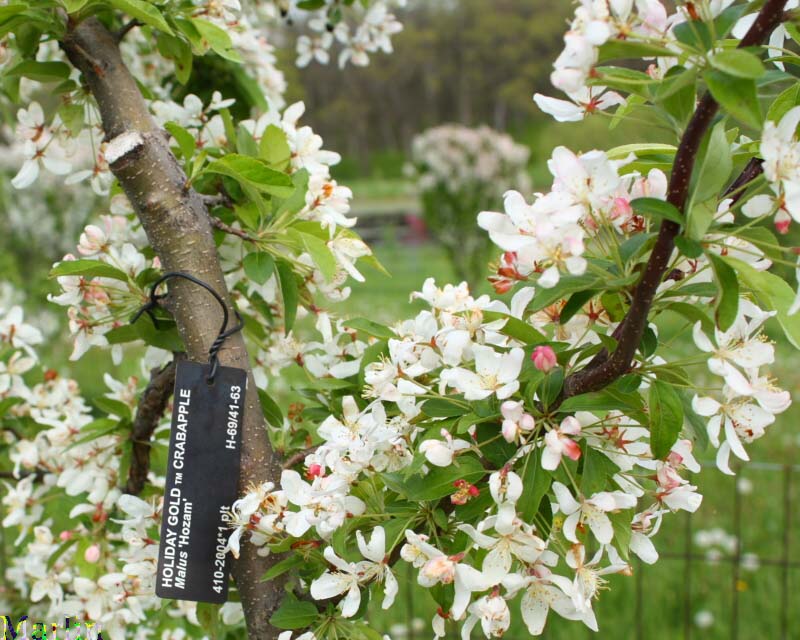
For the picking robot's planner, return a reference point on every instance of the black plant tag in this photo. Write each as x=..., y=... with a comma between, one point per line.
x=202, y=483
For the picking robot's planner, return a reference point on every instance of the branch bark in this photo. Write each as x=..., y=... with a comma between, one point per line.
x=177, y=224
x=151, y=408
x=604, y=368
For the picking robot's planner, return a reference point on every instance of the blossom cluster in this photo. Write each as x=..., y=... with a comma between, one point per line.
x=588, y=198
x=82, y=561
x=371, y=32
x=457, y=346
x=750, y=398
x=468, y=159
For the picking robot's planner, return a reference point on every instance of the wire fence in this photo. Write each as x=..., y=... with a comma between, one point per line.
x=691, y=571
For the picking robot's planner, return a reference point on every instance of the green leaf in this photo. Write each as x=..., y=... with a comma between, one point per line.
x=597, y=469
x=371, y=328
x=290, y=293
x=274, y=147
x=185, y=140
x=619, y=49
x=551, y=386
x=443, y=408
x=738, y=63
x=621, y=522
x=439, y=481
x=87, y=269
x=636, y=82
x=217, y=39
x=179, y=51
x=597, y=402
x=143, y=11
x=515, y=328
x=737, y=96
x=678, y=93
x=272, y=412
x=697, y=425
x=783, y=103
x=287, y=564
x=774, y=293
x=258, y=266
x=40, y=71
x=666, y=418
x=632, y=247
x=297, y=200
x=701, y=215
x=8, y=403
x=566, y=285
x=112, y=407
x=253, y=172
x=727, y=306
x=321, y=255
x=693, y=313
x=653, y=207
x=165, y=337
x=575, y=304
x=714, y=170
x=536, y=481
x=294, y=614
x=688, y=247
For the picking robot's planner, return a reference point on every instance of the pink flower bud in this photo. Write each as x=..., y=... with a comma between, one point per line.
x=65, y=535
x=315, y=470
x=544, y=358
x=92, y=554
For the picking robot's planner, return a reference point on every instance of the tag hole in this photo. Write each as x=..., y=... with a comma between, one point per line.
x=210, y=382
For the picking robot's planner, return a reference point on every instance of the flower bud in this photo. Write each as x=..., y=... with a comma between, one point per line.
x=92, y=554
x=544, y=358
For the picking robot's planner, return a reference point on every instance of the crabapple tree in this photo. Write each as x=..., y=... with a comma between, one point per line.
x=490, y=443
x=460, y=170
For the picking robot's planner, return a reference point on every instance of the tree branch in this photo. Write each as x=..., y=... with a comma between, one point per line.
x=177, y=224
x=604, y=368
x=239, y=233
x=151, y=408
x=119, y=36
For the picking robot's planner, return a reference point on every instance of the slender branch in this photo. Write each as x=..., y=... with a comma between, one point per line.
x=151, y=408
x=239, y=233
x=605, y=369
x=298, y=457
x=752, y=170
x=119, y=36
x=38, y=474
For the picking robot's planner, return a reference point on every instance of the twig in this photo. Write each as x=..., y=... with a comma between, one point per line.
x=120, y=35
x=38, y=474
x=604, y=368
x=219, y=200
x=148, y=414
x=222, y=226
x=752, y=170
x=298, y=457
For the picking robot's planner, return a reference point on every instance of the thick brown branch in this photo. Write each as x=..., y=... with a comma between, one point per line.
x=151, y=408
x=604, y=369
x=177, y=224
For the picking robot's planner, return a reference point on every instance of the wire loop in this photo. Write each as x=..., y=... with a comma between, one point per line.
x=224, y=332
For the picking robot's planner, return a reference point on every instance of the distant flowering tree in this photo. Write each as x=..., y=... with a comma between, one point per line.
x=489, y=444
x=460, y=170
